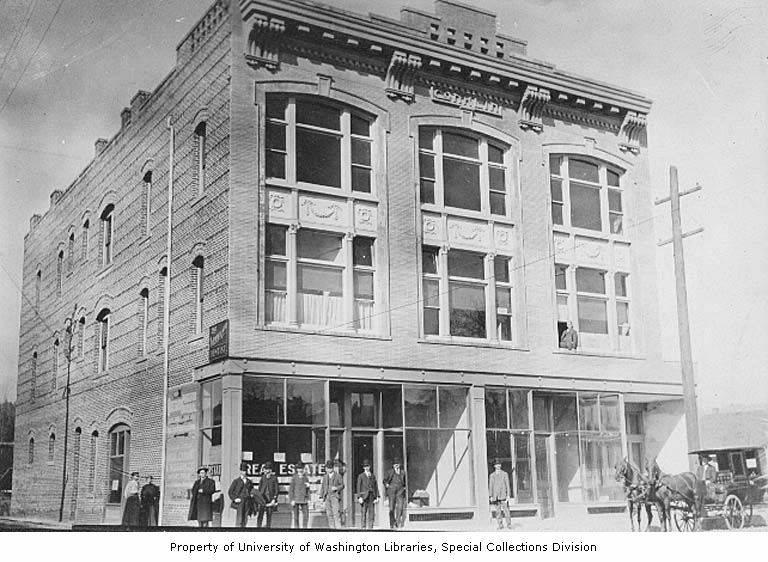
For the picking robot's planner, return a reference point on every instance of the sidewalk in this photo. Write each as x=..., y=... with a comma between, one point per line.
x=22, y=524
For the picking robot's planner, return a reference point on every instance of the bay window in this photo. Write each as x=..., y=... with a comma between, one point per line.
x=462, y=171
x=586, y=194
x=319, y=279
x=318, y=143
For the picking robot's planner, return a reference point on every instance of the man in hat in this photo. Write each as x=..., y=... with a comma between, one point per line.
x=706, y=476
x=240, y=493
x=367, y=491
x=570, y=337
x=298, y=495
x=331, y=493
x=200, y=509
x=150, y=503
x=132, y=502
x=499, y=492
x=396, y=490
x=268, y=489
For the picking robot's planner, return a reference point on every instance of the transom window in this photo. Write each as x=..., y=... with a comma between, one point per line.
x=321, y=279
x=463, y=297
x=314, y=142
x=586, y=194
x=462, y=171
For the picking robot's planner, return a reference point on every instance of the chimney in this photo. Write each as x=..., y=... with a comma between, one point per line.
x=56, y=195
x=125, y=117
x=139, y=99
x=34, y=220
x=100, y=145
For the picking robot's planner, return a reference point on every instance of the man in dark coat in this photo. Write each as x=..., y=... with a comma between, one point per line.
x=569, y=338
x=150, y=503
x=240, y=494
x=367, y=491
x=268, y=490
x=396, y=490
x=200, y=509
x=331, y=493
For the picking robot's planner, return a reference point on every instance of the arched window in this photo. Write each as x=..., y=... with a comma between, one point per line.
x=107, y=235
x=33, y=377
x=119, y=448
x=92, y=461
x=200, y=149
x=55, y=374
x=59, y=272
x=162, y=279
x=102, y=321
x=143, y=320
x=71, y=253
x=51, y=447
x=75, y=470
x=38, y=285
x=147, y=200
x=84, y=243
x=198, y=292
x=79, y=351
x=311, y=141
x=31, y=451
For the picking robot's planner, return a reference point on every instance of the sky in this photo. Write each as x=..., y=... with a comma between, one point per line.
x=67, y=68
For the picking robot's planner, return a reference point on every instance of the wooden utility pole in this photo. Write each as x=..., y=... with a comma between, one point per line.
x=683, y=326
x=68, y=334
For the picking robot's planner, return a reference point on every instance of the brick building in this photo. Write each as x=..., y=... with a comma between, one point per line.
x=327, y=235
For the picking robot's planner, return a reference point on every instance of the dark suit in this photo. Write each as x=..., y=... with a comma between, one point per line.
x=395, y=484
x=268, y=489
x=331, y=492
x=200, y=508
x=240, y=489
x=367, y=491
x=150, y=501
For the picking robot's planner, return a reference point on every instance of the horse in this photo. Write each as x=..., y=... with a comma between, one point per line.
x=663, y=489
x=635, y=491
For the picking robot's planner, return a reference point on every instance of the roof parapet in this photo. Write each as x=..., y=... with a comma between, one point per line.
x=100, y=145
x=34, y=220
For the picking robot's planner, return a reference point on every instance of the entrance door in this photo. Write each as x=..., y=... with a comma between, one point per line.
x=363, y=449
x=543, y=479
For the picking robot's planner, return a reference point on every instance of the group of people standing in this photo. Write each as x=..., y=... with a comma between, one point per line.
x=142, y=505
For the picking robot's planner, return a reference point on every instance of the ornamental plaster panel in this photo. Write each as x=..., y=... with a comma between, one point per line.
x=280, y=205
x=323, y=211
x=504, y=239
x=621, y=256
x=432, y=228
x=563, y=244
x=366, y=217
x=590, y=251
x=464, y=233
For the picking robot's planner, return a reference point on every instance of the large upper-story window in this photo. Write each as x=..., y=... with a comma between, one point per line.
x=200, y=149
x=107, y=234
x=586, y=194
x=317, y=143
x=319, y=279
x=467, y=294
x=463, y=171
x=102, y=333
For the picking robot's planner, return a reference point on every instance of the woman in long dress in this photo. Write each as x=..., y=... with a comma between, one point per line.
x=132, y=504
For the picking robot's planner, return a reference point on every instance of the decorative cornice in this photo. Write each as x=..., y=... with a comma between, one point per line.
x=532, y=107
x=574, y=115
x=631, y=130
x=264, y=42
x=400, y=76
x=348, y=60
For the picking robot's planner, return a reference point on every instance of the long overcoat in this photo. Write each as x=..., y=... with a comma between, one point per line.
x=200, y=505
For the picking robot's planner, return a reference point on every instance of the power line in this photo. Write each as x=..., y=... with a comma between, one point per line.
x=29, y=61
x=17, y=39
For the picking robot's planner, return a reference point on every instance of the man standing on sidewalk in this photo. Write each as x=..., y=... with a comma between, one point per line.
x=240, y=494
x=298, y=495
x=367, y=492
x=499, y=492
x=333, y=485
x=396, y=490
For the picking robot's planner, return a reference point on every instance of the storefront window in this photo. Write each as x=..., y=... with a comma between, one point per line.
x=305, y=402
x=420, y=406
x=392, y=406
x=263, y=400
x=600, y=446
x=210, y=425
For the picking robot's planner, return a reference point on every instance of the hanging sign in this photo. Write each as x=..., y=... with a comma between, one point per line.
x=218, y=341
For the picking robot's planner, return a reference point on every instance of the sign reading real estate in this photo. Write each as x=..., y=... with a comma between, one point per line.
x=218, y=341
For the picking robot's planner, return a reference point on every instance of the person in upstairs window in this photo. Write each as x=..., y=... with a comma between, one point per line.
x=132, y=502
x=570, y=338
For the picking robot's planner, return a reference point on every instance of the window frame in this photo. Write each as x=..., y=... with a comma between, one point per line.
x=107, y=235
x=102, y=343
x=198, y=294
x=291, y=128
x=438, y=155
x=116, y=452
x=201, y=156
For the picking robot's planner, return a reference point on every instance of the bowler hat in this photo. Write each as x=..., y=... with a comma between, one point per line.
x=243, y=467
x=397, y=461
x=338, y=462
x=496, y=461
x=134, y=473
x=202, y=468
x=329, y=464
x=267, y=465
x=299, y=464
x=367, y=463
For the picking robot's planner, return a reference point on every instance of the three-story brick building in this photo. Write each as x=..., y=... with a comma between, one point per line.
x=327, y=235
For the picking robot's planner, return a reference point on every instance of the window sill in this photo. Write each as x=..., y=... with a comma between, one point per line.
x=198, y=200
x=142, y=359
x=321, y=332
x=145, y=239
x=587, y=233
x=196, y=339
x=323, y=190
x=467, y=342
x=104, y=270
x=466, y=213
x=599, y=353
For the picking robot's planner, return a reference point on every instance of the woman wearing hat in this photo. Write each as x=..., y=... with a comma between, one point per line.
x=200, y=505
x=132, y=504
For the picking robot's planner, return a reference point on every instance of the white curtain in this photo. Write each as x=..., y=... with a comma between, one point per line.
x=276, y=306
x=320, y=310
x=364, y=315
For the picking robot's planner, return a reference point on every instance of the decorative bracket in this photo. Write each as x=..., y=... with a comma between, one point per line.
x=631, y=130
x=400, y=76
x=263, y=42
x=532, y=108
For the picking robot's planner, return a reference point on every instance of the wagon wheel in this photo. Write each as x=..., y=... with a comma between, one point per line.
x=685, y=519
x=733, y=512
